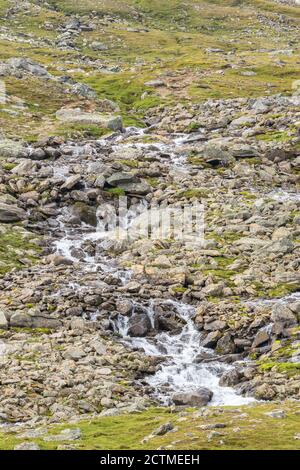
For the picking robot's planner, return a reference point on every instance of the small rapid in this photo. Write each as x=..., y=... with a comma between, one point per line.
x=184, y=365
x=183, y=368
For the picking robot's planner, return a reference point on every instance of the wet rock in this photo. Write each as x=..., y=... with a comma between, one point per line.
x=139, y=325
x=85, y=213
x=202, y=356
x=230, y=378
x=200, y=397
x=167, y=321
x=10, y=213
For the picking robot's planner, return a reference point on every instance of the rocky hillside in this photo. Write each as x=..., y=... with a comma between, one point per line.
x=169, y=103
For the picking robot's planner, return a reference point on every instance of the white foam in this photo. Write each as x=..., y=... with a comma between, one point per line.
x=179, y=372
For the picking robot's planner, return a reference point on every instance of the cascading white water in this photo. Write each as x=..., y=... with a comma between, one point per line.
x=180, y=371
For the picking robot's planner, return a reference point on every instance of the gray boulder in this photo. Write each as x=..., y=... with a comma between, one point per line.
x=261, y=338
x=211, y=339
x=10, y=213
x=225, y=345
x=77, y=116
x=85, y=213
x=129, y=183
x=33, y=320
x=283, y=315
x=27, y=65
x=230, y=378
x=11, y=149
x=200, y=397
x=139, y=325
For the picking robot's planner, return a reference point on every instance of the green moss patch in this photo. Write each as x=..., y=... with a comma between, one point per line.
x=17, y=248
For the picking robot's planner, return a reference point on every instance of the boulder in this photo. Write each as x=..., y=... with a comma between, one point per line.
x=278, y=414
x=71, y=182
x=159, y=276
x=124, y=307
x=73, y=353
x=77, y=116
x=283, y=315
x=278, y=247
x=199, y=397
x=215, y=325
x=261, y=338
x=139, y=325
x=26, y=320
x=168, y=321
x=10, y=213
x=163, y=429
x=129, y=183
x=230, y=378
x=211, y=339
x=11, y=149
x=24, y=168
x=38, y=154
x=85, y=213
x=98, y=46
x=265, y=392
x=27, y=65
x=244, y=151
x=214, y=290
x=225, y=345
